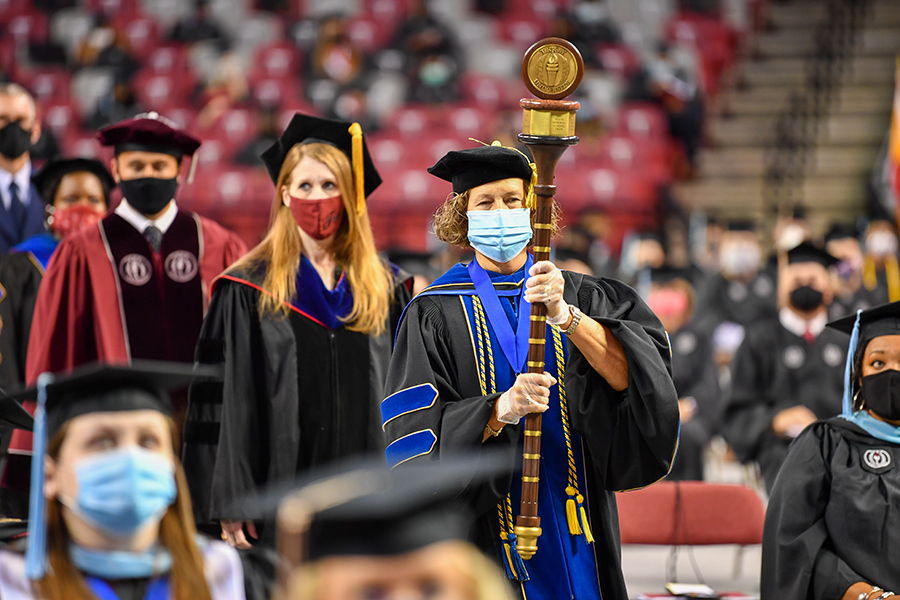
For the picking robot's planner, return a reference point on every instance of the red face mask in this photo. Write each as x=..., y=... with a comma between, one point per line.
x=72, y=219
x=319, y=218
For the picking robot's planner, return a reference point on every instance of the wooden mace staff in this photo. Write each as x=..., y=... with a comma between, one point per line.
x=552, y=69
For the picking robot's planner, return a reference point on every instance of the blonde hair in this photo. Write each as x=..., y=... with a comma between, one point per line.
x=485, y=577
x=451, y=222
x=177, y=534
x=369, y=276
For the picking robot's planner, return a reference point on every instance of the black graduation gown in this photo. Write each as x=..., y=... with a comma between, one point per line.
x=774, y=370
x=20, y=277
x=833, y=515
x=695, y=375
x=294, y=394
x=630, y=436
x=862, y=299
x=720, y=300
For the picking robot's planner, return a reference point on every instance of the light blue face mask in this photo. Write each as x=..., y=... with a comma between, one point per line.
x=112, y=565
x=500, y=234
x=122, y=490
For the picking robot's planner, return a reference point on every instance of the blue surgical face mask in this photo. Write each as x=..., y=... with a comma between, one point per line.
x=121, y=491
x=500, y=234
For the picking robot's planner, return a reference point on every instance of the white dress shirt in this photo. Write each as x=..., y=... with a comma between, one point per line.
x=22, y=179
x=799, y=326
x=141, y=222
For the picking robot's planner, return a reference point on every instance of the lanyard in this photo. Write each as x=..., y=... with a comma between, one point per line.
x=513, y=344
x=158, y=589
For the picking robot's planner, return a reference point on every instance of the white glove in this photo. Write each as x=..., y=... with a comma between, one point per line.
x=546, y=285
x=529, y=394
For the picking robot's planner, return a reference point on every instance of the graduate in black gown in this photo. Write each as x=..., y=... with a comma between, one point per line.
x=741, y=292
x=694, y=369
x=786, y=373
x=456, y=383
x=842, y=242
x=834, y=513
x=302, y=328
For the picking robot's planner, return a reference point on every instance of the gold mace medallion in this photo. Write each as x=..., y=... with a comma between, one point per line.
x=552, y=68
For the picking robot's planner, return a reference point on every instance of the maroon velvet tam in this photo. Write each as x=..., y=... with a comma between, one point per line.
x=148, y=132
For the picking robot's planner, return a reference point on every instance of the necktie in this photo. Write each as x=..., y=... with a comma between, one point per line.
x=809, y=337
x=16, y=208
x=154, y=237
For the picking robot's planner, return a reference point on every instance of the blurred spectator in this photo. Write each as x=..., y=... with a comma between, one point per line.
x=121, y=104
x=104, y=46
x=198, y=26
x=641, y=252
x=433, y=58
x=695, y=373
x=46, y=147
x=739, y=293
x=333, y=57
x=22, y=208
x=880, y=268
x=791, y=228
x=851, y=295
x=227, y=89
x=787, y=373
x=268, y=134
x=598, y=227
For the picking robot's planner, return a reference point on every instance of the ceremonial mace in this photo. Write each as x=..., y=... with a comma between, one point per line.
x=552, y=69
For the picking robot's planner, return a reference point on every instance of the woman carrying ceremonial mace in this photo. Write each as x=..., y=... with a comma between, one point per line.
x=588, y=369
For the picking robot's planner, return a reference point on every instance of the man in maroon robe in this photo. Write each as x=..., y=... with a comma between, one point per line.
x=135, y=286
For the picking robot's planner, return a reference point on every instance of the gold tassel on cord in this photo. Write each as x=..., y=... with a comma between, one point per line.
x=358, y=167
x=892, y=274
x=870, y=278
x=588, y=536
x=572, y=512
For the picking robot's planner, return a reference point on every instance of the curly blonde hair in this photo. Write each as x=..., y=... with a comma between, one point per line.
x=451, y=223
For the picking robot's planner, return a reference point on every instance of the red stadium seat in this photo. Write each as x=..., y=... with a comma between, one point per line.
x=159, y=92
x=618, y=59
x=13, y=8
x=625, y=191
x=387, y=153
x=370, y=33
x=469, y=121
x=691, y=513
x=142, y=33
x=84, y=144
x=47, y=84
x=169, y=59
x=489, y=93
x=643, y=121
x=31, y=26
x=521, y=30
x=59, y=116
x=411, y=121
x=183, y=116
x=276, y=61
x=388, y=10
x=277, y=92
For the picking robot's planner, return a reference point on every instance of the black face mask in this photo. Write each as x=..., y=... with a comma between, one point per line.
x=148, y=195
x=806, y=298
x=881, y=393
x=14, y=141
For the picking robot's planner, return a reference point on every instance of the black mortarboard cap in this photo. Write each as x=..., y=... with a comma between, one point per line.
x=148, y=132
x=362, y=508
x=55, y=168
x=873, y=322
x=807, y=252
x=144, y=385
x=667, y=274
x=742, y=225
x=12, y=413
x=472, y=167
x=841, y=231
x=306, y=129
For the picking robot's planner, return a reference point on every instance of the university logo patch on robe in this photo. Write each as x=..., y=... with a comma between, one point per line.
x=181, y=266
x=135, y=269
x=877, y=460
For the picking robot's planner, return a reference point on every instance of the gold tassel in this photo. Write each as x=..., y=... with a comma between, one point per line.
x=588, y=536
x=530, y=200
x=892, y=273
x=870, y=278
x=358, y=167
x=572, y=512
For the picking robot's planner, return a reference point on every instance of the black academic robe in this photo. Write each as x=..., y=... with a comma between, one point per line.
x=861, y=299
x=720, y=299
x=629, y=437
x=833, y=515
x=775, y=369
x=295, y=393
x=696, y=376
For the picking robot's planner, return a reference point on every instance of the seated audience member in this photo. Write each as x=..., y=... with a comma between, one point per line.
x=694, y=370
x=842, y=242
x=740, y=292
x=370, y=533
x=880, y=266
x=433, y=58
x=110, y=512
x=786, y=374
x=832, y=521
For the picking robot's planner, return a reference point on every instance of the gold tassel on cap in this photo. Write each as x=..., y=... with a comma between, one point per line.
x=530, y=200
x=357, y=159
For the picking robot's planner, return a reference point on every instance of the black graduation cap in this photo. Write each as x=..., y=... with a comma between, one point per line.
x=807, y=252
x=841, y=231
x=472, y=167
x=667, y=274
x=361, y=508
x=148, y=132
x=143, y=385
x=742, y=225
x=12, y=413
x=306, y=129
x=47, y=179
x=863, y=327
